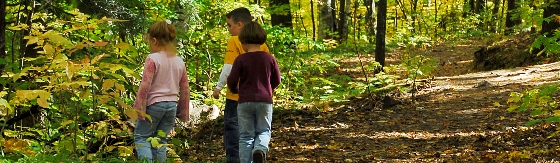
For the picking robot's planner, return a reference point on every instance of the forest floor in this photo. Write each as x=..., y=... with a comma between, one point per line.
x=455, y=119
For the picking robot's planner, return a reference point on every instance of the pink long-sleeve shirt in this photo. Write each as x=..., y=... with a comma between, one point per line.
x=164, y=78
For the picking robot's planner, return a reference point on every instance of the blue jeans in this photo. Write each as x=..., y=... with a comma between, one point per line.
x=163, y=118
x=231, y=132
x=255, y=119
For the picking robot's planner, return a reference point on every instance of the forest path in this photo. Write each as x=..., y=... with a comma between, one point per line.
x=454, y=120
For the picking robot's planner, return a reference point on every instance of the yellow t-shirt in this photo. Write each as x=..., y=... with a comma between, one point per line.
x=233, y=50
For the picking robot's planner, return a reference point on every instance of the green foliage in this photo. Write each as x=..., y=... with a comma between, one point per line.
x=538, y=102
x=414, y=67
x=62, y=157
x=550, y=44
x=82, y=80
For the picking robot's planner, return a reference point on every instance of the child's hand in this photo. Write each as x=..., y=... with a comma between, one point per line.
x=216, y=93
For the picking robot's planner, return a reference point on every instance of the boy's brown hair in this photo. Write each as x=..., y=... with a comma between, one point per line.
x=241, y=14
x=252, y=33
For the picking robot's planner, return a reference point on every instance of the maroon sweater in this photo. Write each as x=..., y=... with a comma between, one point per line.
x=257, y=74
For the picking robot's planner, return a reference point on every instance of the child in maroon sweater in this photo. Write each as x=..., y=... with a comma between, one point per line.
x=257, y=75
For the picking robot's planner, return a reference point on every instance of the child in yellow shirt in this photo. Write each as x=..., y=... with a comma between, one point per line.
x=235, y=20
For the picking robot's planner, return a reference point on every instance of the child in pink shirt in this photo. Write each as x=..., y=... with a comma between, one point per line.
x=164, y=77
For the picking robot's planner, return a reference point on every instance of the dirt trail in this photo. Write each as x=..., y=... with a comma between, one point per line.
x=455, y=120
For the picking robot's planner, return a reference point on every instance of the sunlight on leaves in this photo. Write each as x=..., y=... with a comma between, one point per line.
x=161, y=133
x=123, y=46
x=131, y=113
x=31, y=39
x=17, y=146
x=154, y=141
x=497, y=104
x=48, y=49
x=66, y=123
x=7, y=106
x=126, y=151
x=97, y=58
x=40, y=95
x=57, y=38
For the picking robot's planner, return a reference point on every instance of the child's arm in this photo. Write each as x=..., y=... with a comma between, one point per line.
x=233, y=78
x=232, y=51
x=147, y=77
x=222, y=80
x=184, y=98
x=275, y=77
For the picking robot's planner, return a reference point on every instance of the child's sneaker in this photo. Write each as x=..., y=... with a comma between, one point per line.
x=258, y=156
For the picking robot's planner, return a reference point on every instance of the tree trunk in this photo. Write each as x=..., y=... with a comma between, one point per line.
x=552, y=8
x=495, y=22
x=343, y=21
x=479, y=6
x=333, y=15
x=313, y=19
x=435, y=18
x=283, y=18
x=414, y=13
x=2, y=37
x=370, y=20
x=381, y=29
x=510, y=21
x=326, y=20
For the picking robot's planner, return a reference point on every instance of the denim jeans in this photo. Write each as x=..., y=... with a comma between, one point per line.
x=231, y=132
x=255, y=119
x=163, y=118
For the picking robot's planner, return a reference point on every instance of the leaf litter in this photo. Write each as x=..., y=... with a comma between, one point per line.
x=461, y=117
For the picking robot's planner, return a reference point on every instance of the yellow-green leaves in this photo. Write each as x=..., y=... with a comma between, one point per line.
x=123, y=46
x=48, y=49
x=56, y=38
x=97, y=58
x=40, y=95
x=154, y=141
x=133, y=114
x=31, y=39
x=67, y=122
x=125, y=151
x=17, y=145
x=110, y=83
x=5, y=107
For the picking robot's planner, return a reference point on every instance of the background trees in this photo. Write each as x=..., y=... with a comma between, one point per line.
x=69, y=69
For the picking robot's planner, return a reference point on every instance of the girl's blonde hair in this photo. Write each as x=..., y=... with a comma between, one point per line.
x=164, y=33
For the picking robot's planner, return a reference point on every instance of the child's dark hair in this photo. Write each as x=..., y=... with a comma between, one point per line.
x=241, y=14
x=252, y=33
x=165, y=33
